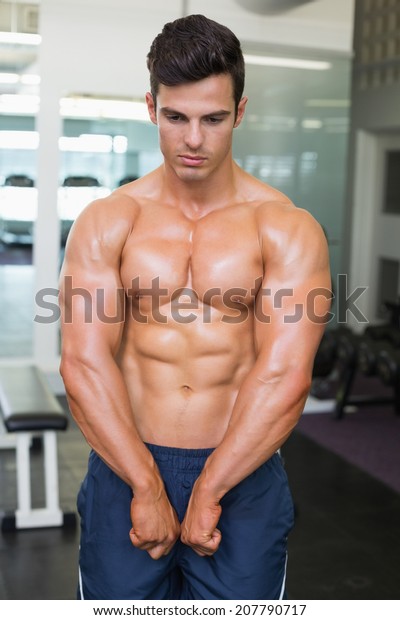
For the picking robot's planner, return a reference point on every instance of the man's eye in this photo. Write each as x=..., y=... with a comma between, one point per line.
x=174, y=117
x=213, y=120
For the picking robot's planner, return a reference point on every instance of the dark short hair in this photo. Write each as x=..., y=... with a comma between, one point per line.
x=192, y=48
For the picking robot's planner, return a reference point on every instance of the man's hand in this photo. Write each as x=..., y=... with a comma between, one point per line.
x=199, y=527
x=155, y=526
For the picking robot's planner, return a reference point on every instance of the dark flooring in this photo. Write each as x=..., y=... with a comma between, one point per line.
x=346, y=541
x=345, y=544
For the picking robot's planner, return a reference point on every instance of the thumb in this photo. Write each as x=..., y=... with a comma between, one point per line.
x=216, y=537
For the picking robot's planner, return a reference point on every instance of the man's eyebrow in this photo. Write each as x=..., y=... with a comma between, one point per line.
x=167, y=110
x=219, y=113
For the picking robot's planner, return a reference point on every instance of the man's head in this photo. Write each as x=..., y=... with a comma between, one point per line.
x=193, y=48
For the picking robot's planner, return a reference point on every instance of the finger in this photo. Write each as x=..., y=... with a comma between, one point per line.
x=157, y=552
x=202, y=551
x=164, y=549
x=155, y=549
x=141, y=544
x=134, y=539
x=209, y=547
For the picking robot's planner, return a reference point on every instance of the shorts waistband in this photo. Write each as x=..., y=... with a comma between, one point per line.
x=185, y=459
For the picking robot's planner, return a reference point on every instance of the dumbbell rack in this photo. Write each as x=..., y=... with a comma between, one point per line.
x=371, y=354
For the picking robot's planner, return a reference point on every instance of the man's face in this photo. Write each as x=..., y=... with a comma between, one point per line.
x=195, y=122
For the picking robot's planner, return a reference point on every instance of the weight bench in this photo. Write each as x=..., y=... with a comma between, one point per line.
x=29, y=409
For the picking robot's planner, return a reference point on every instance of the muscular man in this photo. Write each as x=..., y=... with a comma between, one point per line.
x=193, y=303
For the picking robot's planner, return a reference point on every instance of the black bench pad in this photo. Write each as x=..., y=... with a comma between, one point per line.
x=27, y=404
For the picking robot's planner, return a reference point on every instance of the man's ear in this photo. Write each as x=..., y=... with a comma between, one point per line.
x=151, y=106
x=240, y=112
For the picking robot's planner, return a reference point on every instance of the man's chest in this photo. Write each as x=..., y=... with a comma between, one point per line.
x=217, y=255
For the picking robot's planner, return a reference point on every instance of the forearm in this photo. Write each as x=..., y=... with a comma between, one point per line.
x=100, y=405
x=263, y=417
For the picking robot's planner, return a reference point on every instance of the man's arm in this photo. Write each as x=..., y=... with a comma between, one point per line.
x=290, y=316
x=90, y=290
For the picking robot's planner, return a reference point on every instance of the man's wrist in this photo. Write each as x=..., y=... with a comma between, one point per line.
x=149, y=485
x=209, y=488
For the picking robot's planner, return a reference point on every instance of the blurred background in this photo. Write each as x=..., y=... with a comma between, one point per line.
x=323, y=126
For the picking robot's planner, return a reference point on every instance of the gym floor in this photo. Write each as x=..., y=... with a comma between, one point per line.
x=345, y=544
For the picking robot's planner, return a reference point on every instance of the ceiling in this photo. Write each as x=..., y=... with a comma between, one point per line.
x=20, y=16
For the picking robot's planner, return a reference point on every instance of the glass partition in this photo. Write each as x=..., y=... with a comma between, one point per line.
x=18, y=195
x=99, y=155
x=294, y=137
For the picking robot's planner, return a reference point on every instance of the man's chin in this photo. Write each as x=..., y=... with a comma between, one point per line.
x=192, y=175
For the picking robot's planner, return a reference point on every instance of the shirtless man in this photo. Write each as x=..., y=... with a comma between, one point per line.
x=187, y=384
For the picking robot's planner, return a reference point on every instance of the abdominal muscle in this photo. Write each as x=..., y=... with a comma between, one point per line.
x=183, y=380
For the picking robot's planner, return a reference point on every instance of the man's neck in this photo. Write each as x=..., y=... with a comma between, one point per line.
x=198, y=198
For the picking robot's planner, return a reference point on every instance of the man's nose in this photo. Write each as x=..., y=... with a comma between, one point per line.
x=193, y=136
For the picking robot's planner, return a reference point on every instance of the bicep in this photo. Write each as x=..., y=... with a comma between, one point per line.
x=92, y=299
x=292, y=306
x=92, y=309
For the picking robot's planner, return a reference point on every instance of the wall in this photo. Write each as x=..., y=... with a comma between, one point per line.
x=375, y=128
x=98, y=46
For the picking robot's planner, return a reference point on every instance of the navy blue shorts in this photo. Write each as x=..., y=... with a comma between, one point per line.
x=250, y=562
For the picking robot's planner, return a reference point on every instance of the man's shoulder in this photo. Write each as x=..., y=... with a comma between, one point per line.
x=276, y=212
x=103, y=226
x=117, y=209
x=282, y=224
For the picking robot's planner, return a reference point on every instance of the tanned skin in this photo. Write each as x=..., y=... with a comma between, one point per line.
x=222, y=357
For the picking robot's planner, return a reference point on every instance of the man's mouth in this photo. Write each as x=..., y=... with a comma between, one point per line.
x=192, y=160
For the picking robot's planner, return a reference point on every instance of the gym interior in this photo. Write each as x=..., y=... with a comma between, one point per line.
x=323, y=126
